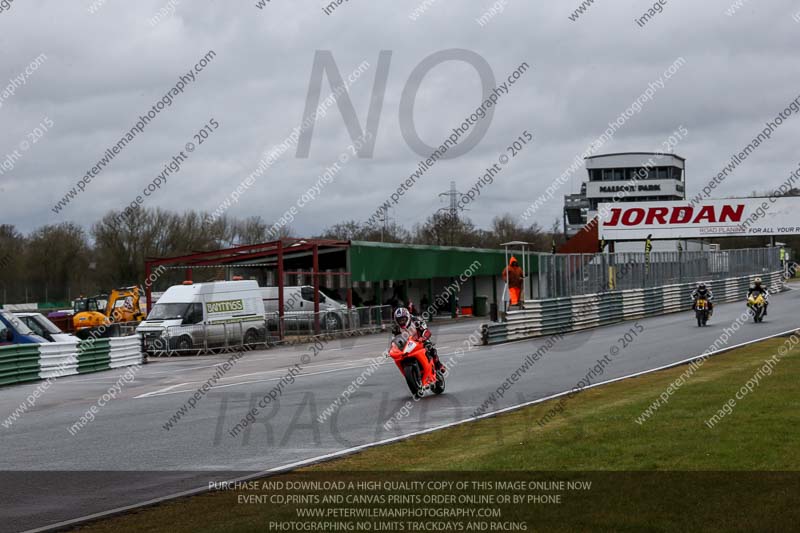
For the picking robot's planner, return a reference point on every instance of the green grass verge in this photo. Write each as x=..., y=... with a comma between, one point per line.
x=595, y=436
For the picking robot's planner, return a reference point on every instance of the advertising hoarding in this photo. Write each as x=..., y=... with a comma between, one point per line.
x=712, y=218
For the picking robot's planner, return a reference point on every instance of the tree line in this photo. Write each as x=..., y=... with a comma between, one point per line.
x=59, y=262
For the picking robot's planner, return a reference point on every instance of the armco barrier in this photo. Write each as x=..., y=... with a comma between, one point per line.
x=19, y=363
x=562, y=315
x=58, y=359
x=93, y=355
x=29, y=362
x=125, y=351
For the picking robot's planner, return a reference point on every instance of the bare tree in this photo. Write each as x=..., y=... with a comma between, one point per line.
x=444, y=229
x=351, y=230
x=122, y=244
x=12, y=263
x=57, y=259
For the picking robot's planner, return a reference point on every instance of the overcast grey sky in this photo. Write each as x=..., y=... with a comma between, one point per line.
x=104, y=69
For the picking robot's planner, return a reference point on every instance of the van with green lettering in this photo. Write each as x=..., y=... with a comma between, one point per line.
x=195, y=317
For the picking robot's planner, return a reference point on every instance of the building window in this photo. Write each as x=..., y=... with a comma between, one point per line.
x=573, y=216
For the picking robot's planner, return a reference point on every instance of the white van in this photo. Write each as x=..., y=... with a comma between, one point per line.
x=212, y=315
x=298, y=307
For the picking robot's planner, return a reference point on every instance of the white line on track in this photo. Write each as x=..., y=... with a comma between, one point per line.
x=310, y=367
x=355, y=449
x=226, y=385
x=172, y=371
x=160, y=391
x=281, y=371
x=287, y=352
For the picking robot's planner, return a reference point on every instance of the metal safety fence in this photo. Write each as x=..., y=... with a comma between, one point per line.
x=564, y=275
x=260, y=334
x=302, y=324
x=565, y=314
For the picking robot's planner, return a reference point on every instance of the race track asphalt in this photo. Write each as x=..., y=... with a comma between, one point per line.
x=126, y=456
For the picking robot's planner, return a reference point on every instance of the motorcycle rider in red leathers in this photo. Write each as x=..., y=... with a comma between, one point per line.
x=416, y=329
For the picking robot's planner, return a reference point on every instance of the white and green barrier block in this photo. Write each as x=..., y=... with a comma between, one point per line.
x=30, y=362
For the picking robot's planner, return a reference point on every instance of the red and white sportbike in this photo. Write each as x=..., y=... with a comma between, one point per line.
x=412, y=360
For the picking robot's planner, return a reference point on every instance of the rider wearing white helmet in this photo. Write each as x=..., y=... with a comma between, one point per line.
x=758, y=289
x=404, y=321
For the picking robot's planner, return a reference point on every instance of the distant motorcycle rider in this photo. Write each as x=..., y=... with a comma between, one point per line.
x=701, y=291
x=418, y=330
x=757, y=289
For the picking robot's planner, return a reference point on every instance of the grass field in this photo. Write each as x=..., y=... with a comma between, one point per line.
x=670, y=472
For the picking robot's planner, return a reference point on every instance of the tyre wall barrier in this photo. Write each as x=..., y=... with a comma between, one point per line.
x=562, y=315
x=30, y=362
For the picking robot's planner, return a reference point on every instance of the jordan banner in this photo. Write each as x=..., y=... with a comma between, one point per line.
x=711, y=218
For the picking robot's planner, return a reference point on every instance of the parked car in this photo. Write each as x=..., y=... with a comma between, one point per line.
x=14, y=331
x=62, y=319
x=298, y=307
x=213, y=315
x=42, y=326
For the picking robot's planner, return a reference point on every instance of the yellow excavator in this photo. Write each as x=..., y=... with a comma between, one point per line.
x=122, y=305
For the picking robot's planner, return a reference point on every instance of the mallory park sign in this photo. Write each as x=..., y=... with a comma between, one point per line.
x=630, y=188
x=712, y=218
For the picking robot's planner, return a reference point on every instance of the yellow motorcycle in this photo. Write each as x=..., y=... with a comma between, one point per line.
x=757, y=306
x=701, y=311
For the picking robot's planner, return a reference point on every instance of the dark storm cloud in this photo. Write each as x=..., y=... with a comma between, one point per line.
x=105, y=68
